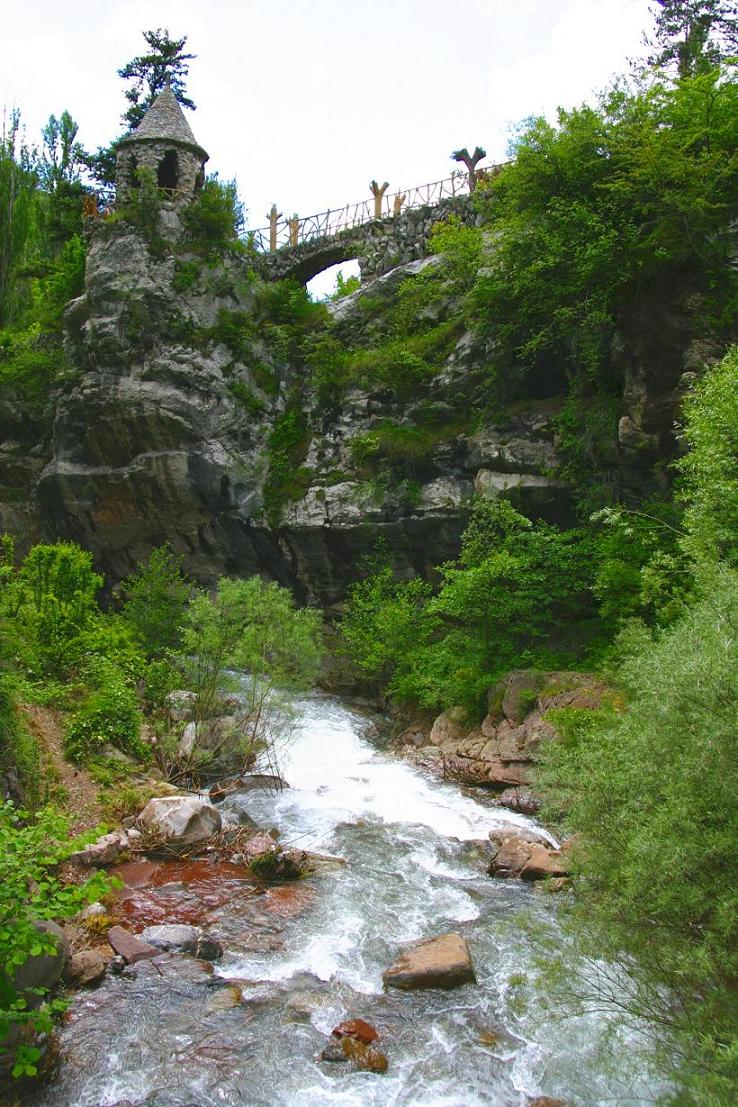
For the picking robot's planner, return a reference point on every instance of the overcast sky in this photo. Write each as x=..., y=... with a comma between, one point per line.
x=305, y=101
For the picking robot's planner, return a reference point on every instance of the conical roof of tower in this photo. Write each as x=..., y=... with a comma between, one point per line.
x=165, y=122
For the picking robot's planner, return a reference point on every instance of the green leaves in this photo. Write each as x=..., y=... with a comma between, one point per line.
x=710, y=467
x=30, y=851
x=657, y=822
x=496, y=607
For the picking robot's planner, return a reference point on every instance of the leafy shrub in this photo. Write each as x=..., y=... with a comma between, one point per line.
x=711, y=466
x=109, y=716
x=156, y=596
x=216, y=216
x=246, y=398
x=30, y=890
x=657, y=822
x=287, y=446
x=518, y=594
x=55, y=593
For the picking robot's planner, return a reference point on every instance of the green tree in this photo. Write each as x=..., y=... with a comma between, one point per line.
x=165, y=62
x=515, y=595
x=655, y=918
x=710, y=467
x=252, y=627
x=156, y=598
x=18, y=215
x=59, y=168
x=693, y=35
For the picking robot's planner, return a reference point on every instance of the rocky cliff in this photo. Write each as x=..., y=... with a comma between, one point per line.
x=174, y=426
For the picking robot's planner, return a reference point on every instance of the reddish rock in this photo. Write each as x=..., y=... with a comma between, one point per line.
x=518, y=856
x=356, y=1028
x=130, y=948
x=443, y=962
x=449, y=728
x=364, y=1056
x=546, y=1101
x=521, y=800
x=544, y=862
x=88, y=966
x=256, y=846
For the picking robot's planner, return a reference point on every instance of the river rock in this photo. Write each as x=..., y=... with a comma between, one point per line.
x=180, y=821
x=442, y=962
x=522, y=800
x=104, y=851
x=87, y=966
x=333, y=1053
x=42, y=970
x=130, y=948
x=356, y=1028
x=364, y=1056
x=515, y=855
x=181, y=704
x=259, y=845
x=449, y=727
x=183, y=938
x=546, y=1101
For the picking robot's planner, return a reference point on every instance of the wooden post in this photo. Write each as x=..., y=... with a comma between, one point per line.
x=400, y=199
x=378, y=192
x=470, y=161
x=294, y=226
x=273, y=216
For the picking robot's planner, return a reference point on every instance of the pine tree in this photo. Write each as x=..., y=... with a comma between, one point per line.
x=165, y=62
x=694, y=34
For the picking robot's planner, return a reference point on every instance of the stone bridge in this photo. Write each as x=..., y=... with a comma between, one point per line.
x=379, y=245
x=381, y=233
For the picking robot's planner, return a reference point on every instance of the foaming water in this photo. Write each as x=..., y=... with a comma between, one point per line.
x=170, y=1036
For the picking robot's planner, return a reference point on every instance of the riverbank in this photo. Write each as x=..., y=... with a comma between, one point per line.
x=301, y=957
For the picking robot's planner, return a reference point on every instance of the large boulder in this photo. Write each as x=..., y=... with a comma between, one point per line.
x=180, y=821
x=443, y=962
x=449, y=728
x=42, y=970
x=516, y=855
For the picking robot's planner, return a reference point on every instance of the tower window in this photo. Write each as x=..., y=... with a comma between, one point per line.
x=166, y=176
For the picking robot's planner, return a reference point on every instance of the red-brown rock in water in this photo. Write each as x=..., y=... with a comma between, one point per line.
x=130, y=948
x=259, y=844
x=443, y=962
x=364, y=1056
x=356, y=1028
x=529, y=860
x=546, y=1101
x=521, y=800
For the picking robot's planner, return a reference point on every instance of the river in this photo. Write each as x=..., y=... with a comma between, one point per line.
x=169, y=1034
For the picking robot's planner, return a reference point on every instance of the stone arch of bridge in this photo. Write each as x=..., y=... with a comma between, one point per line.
x=302, y=263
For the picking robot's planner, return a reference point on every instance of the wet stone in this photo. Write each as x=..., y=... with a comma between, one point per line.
x=130, y=948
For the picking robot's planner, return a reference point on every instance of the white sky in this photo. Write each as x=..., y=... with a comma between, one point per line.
x=305, y=101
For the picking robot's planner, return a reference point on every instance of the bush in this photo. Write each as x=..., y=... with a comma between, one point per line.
x=30, y=890
x=109, y=716
x=156, y=597
x=517, y=595
x=216, y=216
x=711, y=466
x=657, y=822
x=253, y=627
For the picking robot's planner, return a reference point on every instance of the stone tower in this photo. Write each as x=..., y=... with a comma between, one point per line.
x=165, y=144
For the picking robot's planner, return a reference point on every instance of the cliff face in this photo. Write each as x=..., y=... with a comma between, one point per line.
x=166, y=433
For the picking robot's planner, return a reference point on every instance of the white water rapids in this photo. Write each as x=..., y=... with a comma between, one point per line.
x=411, y=872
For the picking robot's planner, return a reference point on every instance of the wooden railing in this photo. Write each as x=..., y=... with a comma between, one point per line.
x=293, y=231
